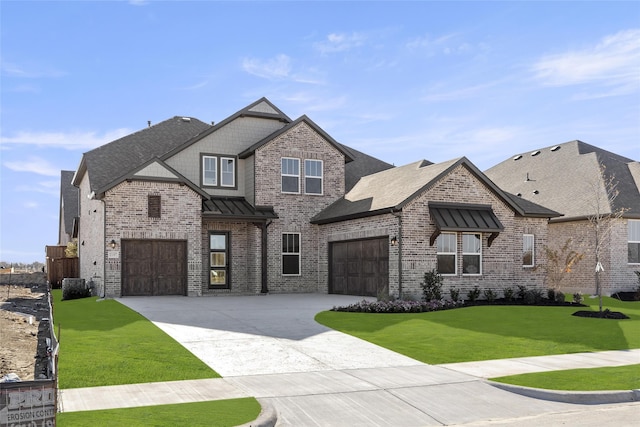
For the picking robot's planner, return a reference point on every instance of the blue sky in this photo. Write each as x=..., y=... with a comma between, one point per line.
x=401, y=81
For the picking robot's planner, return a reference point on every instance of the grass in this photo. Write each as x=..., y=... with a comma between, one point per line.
x=219, y=413
x=102, y=342
x=492, y=332
x=610, y=378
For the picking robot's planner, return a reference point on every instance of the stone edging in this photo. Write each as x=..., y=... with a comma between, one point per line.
x=579, y=397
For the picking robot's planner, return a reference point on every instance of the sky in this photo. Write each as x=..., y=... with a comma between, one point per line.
x=401, y=81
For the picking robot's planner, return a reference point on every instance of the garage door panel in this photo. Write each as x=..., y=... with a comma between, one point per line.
x=359, y=267
x=154, y=267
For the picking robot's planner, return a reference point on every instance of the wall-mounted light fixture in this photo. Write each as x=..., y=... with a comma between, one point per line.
x=112, y=243
x=394, y=241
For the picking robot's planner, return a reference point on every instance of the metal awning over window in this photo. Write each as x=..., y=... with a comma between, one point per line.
x=235, y=208
x=464, y=218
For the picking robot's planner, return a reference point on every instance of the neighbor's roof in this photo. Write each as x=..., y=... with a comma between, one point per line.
x=562, y=177
x=391, y=189
x=107, y=163
x=69, y=200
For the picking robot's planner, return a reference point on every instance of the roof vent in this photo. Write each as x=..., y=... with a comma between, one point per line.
x=536, y=192
x=518, y=157
x=556, y=148
x=186, y=119
x=535, y=153
x=519, y=194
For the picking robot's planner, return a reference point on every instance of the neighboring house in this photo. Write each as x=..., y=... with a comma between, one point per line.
x=562, y=178
x=396, y=225
x=263, y=203
x=68, y=216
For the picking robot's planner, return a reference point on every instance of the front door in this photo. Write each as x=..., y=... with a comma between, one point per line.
x=219, y=261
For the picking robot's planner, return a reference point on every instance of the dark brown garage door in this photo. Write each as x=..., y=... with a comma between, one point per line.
x=359, y=267
x=154, y=267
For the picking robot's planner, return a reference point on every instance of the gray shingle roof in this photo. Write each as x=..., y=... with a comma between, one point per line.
x=111, y=161
x=562, y=177
x=362, y=165
x=69, y=196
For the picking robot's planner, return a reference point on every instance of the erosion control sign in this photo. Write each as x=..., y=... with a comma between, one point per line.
x=29, y=403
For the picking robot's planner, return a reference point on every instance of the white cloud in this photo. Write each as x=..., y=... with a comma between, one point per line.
x=72, y=141
x=29, y=72
x=272, y=69
x=340, y=42
x=34, y=165
x=612, y=65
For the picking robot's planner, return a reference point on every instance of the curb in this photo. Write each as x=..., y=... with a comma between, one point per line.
x=267, y=418
x=578, y=397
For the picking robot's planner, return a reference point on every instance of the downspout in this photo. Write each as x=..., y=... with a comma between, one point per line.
x=399, y=216
x=104, y=256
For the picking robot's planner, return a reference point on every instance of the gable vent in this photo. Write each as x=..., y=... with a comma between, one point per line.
x=518, y=157
x=535, y=153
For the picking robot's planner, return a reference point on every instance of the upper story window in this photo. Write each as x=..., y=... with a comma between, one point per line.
x=528, y=250
x=227, y=172
x=290, y=175
x=313, y=176
x=447, y=244
x=634, y=241
x=209, y=171
x=218, y=171
x=153, y=206
x=472, y=253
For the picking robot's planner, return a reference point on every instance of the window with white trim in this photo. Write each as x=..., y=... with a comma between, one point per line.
x=528, y=250
x=290, y=254
x=290, y=175
x=227, y=172
x=446, y=247
x=313, y=176
x=209, y=171
x=471, y=253
x=634, y=241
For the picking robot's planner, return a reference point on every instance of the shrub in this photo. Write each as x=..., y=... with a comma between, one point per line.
x=75, y=290
x=533, y=296
x=522, y=291
x=473, y=294
x=577, y=298
x=489, y=295
x=397, y=306
x=551, y=294
x=559, y=297
x=454, y=294
x=508, y=294
x=432, y=286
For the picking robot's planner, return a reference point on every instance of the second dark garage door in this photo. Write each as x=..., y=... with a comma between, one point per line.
x=154, y=267
x=359, y=267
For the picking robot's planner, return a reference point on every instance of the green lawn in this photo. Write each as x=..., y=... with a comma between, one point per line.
x=492, y=332
x=102, y=342
x=220, y=413
x=611, y=378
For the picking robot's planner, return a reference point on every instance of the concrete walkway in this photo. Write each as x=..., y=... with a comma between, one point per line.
x=269, y=347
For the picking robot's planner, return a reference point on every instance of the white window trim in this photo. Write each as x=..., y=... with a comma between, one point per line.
x=215, y=162
x=637, y=222
x=233, y=172
x=533, y=250
x=286, y=174
x=455, y=255
x=321, y=177
x=299, y=254
x=478, y=254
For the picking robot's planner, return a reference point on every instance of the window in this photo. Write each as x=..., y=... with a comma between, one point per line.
x=209, y=171
x=528, y=252
x=634, y=241
x=227, y=172
x=218, y=260
x=291, y=254
x=447, y=244
x=290, y=175
x=153, y=206
x=471, y=253
x=313, y=176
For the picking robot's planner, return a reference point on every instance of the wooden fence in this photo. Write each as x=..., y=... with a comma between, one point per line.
x=60, y=267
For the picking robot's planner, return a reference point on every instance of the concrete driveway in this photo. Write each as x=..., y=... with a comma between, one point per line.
x=270, y=347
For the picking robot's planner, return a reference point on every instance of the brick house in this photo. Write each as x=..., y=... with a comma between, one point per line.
x=568, y=179
x=262, y=203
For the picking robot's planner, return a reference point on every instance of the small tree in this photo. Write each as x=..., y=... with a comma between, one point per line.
x=604, y=215
x=559, y=263
x=71, y=251
x=432, y=286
